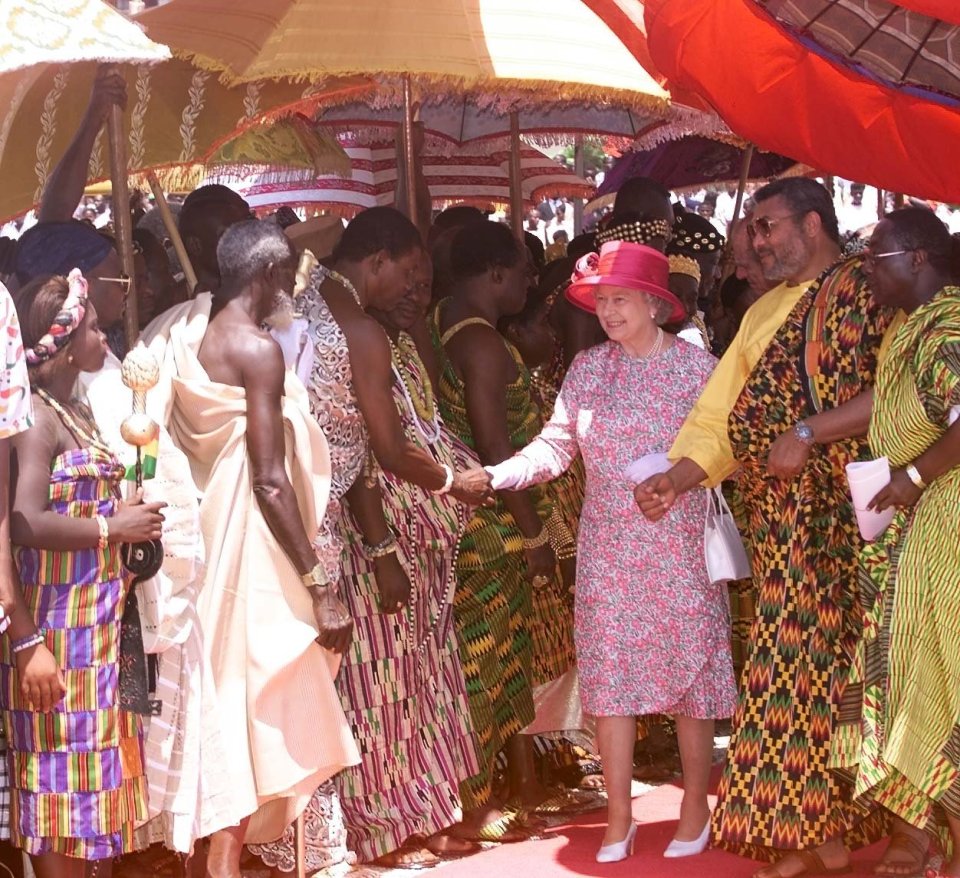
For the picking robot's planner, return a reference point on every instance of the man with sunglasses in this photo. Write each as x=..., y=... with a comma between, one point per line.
x=788, y=406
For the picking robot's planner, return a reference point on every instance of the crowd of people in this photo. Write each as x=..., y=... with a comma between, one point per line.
x=432, y=519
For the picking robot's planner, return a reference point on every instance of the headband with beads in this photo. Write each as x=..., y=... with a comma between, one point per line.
x=67, y=320
x=636, y=232
x=680, y=264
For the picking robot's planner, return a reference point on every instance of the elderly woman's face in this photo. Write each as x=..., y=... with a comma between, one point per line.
x=623, y=314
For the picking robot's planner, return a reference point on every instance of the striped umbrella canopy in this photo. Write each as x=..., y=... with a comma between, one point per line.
x=467, y=175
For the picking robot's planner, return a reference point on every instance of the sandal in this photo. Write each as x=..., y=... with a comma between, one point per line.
x=503, y=830
x=434, y=844
x=398, y=859
x=812, y=865
x=907, y=844
x=567, y=803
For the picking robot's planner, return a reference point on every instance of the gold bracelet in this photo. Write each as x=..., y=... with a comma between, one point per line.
x=560, y=534
x=567, y=552
x=541, y=539
x=914, y=475
x=104, y=526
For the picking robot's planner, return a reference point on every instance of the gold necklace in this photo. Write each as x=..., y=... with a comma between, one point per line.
x=345, y=283
x=423, y=406
x=91, y=438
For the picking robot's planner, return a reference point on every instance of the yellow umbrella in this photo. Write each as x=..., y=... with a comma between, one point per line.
x=556, y=49
x=176, y=115
x=505, y=54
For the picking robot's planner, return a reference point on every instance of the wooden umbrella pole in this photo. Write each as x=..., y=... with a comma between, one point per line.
x=579, y=166
x=409, y=162
x=170, y=224
x=122, y=218
x=516, y=191
x=742, y=186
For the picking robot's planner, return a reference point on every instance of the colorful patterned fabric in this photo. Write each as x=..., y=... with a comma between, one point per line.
x=76, y=773
x=506, y=647
x=776, y=792
x=401, y=683
x=641, y=648
x=905, y=739
x=16, y=405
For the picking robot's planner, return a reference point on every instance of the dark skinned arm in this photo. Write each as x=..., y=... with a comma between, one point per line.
x=34, y=524
x=487, y=370
x=578, y=330
x=262, y=374
x=939, y=458
x=373, y=384
x=788, y=455
x=64, y=187
x=366, y=506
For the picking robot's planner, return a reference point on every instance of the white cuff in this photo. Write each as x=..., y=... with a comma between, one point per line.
x=508, y=474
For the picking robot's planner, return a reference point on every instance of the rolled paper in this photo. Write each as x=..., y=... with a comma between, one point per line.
x=866, y=479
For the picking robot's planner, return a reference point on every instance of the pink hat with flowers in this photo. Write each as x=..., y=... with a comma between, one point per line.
x=626, y=265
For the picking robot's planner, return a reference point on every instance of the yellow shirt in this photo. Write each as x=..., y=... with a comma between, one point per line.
x=703, y=437
x=898, y=320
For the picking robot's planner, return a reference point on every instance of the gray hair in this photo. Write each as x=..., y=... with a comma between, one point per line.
x=248, y=247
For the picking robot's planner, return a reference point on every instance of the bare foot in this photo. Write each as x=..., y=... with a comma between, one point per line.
x=407, y=857
x=906, y=854
x=443, y=844
x=830, y=858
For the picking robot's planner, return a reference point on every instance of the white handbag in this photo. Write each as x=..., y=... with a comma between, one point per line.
x=722, y=544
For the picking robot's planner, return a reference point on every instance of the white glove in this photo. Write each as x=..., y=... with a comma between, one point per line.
x=509, y=473
x=643, y=467
x=954, y=414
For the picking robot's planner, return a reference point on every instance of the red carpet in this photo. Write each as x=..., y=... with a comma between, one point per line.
x=570, y=850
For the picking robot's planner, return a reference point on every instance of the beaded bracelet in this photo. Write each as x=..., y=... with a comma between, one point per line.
x=560, y=535
x=386, y=546
x=27, y=642
x=104, y=532
x=541, y=539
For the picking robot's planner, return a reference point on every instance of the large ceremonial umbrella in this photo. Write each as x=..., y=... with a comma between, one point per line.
x=466, y=175
x=514, y=53
x=867, y=89
x=694, y=161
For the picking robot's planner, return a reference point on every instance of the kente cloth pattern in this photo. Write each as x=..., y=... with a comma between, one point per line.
x=776, y=792
x=492, y=605
x=334, y=405
x=76, y=773
x=401, y=683
x=901, y=712
x=16, y=404
x=642, y=647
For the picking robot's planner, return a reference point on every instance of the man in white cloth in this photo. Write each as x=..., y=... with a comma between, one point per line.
x=262, y=468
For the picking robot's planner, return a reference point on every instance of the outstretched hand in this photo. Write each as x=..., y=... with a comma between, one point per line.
x=473, y=487
x=655, y=496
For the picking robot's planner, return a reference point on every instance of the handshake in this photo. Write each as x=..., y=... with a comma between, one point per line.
x=473, y=487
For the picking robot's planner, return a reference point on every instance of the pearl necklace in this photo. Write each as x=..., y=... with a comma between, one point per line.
x=423, y=409
x=657, y=346
x=93, y=438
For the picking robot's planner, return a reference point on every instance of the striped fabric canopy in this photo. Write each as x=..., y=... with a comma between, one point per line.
x=468, y=176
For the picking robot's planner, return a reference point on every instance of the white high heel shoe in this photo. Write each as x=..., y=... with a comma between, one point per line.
x=619, y=850
x=689, y=848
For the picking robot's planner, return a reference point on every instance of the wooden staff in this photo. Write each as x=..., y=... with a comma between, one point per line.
x=516, y=191
x=408, y=157
x=169, y=223
x=122, y=219
x=742, y=186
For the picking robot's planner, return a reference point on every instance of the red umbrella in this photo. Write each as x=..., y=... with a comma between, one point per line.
x=867, y=89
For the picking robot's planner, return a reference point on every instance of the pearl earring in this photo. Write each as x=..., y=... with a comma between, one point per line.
x=70, y=359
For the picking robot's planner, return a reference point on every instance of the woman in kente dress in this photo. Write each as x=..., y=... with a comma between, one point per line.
x=900, y=718
x=415, y=734
x=76, y=755
x=652, y=632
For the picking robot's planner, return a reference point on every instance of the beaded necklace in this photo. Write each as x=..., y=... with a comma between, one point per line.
x=91, y=438
x=344, y=282
x=422, y=407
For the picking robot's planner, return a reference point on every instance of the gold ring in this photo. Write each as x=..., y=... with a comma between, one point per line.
x=540, y=580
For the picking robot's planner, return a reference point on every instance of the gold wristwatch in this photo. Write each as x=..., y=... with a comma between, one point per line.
x=316, y=578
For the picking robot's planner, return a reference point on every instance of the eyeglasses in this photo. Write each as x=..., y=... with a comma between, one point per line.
x=123, y=280
x=763, y=225
x=870, y=257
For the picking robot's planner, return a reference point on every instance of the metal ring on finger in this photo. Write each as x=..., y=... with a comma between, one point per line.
x=540, y=580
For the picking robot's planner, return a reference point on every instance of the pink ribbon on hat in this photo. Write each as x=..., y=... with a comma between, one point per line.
x=586, y=266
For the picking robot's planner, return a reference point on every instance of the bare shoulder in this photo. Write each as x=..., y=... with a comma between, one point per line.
x=47, y=436
x=479, y=351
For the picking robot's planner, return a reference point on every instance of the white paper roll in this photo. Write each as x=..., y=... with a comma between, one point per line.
x=866, y=479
